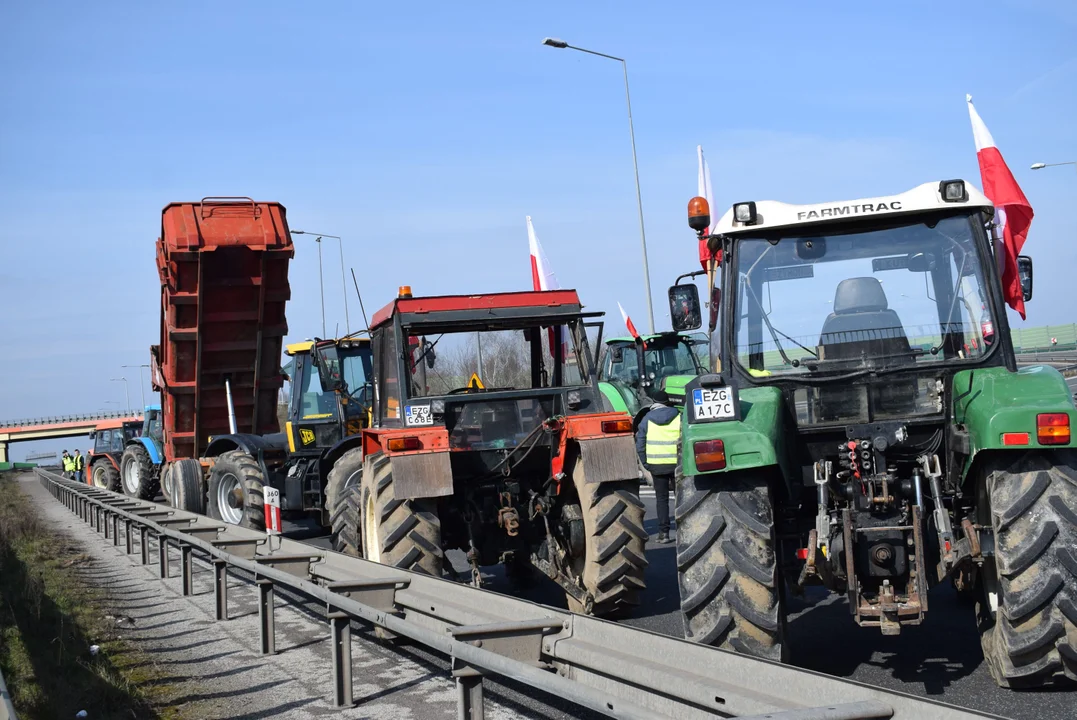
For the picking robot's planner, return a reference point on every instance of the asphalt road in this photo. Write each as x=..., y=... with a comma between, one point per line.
x=940, y=659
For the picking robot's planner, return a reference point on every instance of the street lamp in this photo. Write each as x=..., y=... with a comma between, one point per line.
x=125, y=393
x=1041, y=166
x=343, y=282
x=561, y=45
x=141, y=382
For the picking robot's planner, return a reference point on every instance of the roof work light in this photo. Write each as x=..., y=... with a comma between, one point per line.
x=744, y=213
x=953, y=191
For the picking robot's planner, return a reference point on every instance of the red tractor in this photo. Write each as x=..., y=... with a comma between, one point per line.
x=527, y=470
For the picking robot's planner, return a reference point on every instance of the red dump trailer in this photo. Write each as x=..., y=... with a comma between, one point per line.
x=223, y=266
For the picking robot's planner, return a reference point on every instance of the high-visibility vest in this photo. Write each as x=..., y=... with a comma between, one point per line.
x=661, y=443
x=69, y=464
x=78, y=462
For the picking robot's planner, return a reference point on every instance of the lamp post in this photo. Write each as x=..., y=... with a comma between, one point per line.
x=141, y=382
x=562, y=45
x=343, y=282
x=126, y=394
x=1041, y=166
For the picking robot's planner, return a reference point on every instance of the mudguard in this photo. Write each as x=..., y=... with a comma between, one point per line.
x=151, y=448
x=754, y=440
x=249, y=444
x=988, y=402
x=616, y=400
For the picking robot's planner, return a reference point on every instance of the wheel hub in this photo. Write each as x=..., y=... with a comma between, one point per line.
x=235, y=498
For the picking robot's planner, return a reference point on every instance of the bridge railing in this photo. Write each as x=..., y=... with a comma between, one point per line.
x=60, y=419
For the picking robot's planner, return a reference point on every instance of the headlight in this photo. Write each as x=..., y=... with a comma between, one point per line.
x=437, y=407
x=744, y=213
x=953, y=191
x=573, y=398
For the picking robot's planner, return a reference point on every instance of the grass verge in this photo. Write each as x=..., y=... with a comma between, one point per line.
x=50, y=617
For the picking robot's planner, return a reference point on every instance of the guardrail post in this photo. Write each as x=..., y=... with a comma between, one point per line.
x=265, y=616
x=220, y=588
x=341, y=624
x=115, y=530
x=469, y=701
x=188, y=569
x=143, y=546
x=106, y=520
x=162, y=555
x=127, y=535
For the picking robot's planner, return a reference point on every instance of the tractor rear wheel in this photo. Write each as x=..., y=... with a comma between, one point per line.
x=727, y=567
x=612, y=562
x=1028, y=611
x=236, y=491
x=343, y=505
x=137, y=473
x=188, y=491
x=104, y=476
x=397, y=532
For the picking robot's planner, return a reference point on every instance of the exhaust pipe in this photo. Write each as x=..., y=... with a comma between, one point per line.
x=231, y=407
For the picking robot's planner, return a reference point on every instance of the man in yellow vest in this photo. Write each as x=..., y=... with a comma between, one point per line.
x=69, y=465
x=656, y=443
x=77, y=457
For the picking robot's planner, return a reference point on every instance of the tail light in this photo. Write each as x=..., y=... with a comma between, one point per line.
x=709, y=454
x=1053, y=428
x=408, y=442
x=617, y=426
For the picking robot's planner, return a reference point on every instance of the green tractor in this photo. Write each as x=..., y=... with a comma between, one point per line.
x=868, y=430
x=632, y=369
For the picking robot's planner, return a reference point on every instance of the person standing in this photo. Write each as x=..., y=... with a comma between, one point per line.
x=656, y=443
x=69, y=466
x=78, y=466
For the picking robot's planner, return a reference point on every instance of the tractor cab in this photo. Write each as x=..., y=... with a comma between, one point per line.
x=631, y=370
x=331, y=397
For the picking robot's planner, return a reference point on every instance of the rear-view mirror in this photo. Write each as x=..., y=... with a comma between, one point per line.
x=921, y=262
x=684, y=310
x=1024, y=271
x=328, y=361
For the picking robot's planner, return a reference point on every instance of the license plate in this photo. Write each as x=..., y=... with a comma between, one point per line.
x=712, y=403
x=418, y=415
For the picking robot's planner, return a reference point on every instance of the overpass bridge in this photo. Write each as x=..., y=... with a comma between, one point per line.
x=47, y=428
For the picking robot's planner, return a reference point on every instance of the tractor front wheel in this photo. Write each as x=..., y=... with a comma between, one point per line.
x=343, y=502
x=1028, y=609
x=137, y=473
x=104, y=476
x=398, y=532
x=612, y=561
x=727, y=568
x=236, y=491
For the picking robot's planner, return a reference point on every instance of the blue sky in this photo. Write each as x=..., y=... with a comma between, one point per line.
x=423, y=135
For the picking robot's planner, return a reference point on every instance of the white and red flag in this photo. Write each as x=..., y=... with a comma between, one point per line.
x=706, y=191
x=628, y=323
x=543, y=278
x=1013, y=212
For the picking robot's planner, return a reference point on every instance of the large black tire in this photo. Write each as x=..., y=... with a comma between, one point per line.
x=236, y=491
x=343, y=505
x=1029, y=627
x=613, y=562
x=727, y=568
x=137, y=473
x=103, y=475
x=188, y=489
x=397, y=532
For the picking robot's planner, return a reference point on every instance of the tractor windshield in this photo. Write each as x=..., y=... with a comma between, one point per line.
x=318, y=403
x=665, y=355
x=903, y=296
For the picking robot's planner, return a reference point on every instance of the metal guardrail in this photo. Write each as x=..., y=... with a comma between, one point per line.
x=58, y=419
x=612, y=669
x=7, y=710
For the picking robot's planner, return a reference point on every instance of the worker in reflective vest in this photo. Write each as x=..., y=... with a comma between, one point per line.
x=69, y=465
x=78, y=465
x=656, y=444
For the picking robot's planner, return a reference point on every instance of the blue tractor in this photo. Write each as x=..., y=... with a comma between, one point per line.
x=140, y=466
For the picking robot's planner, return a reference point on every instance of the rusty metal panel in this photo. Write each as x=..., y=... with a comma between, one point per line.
x=223, y=267
x=421, y=475
x=609, y=459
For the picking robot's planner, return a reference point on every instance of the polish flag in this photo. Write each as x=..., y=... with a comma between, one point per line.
x=628, y=323
x=706, y=191
x=543, y=278
x=1013, y=212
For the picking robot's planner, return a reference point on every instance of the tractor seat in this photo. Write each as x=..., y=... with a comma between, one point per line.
x=862, y=323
